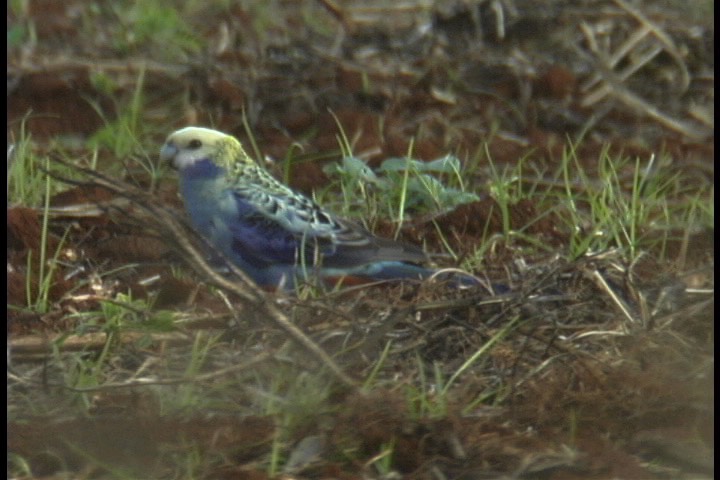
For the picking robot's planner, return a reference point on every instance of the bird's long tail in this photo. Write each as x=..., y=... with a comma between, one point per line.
x=393, y=270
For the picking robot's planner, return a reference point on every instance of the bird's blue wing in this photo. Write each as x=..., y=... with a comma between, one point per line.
x=262, y=238
x=279, y=229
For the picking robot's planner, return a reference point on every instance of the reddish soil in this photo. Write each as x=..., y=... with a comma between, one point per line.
x=575, y=388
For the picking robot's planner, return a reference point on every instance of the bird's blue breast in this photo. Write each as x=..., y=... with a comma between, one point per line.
x=202, y=186
x=235, y=225
x=202, y=170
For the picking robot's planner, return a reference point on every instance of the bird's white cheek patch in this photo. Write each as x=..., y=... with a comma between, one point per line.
x=183, y=161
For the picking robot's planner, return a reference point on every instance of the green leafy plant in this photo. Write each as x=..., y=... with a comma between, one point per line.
x=401, y=185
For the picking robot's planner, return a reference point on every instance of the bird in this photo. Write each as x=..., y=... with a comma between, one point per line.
x=277, y=236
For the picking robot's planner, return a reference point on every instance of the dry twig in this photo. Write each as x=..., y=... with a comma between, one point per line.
x=180, y=235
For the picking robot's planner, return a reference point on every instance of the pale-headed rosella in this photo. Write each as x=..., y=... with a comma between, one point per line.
x=277, y=236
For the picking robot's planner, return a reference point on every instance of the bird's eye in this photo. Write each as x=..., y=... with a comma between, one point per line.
x=194, y=144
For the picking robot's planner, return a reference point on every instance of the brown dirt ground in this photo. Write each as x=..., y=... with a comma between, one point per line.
x=575, y=389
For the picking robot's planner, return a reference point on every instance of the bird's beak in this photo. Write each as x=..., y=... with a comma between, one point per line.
x=168, y=152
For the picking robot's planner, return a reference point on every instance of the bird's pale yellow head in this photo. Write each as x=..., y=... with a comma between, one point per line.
x=190, y=145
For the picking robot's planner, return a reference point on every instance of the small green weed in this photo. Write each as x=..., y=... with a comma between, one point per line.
x=124, y=136
x=146, y=28
x=296, y=400
x=28, y=185
x=383, y=460
x=120, y=136
x=625, y=204
x=21, y=29
x=400, y=186
x=427, y=400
